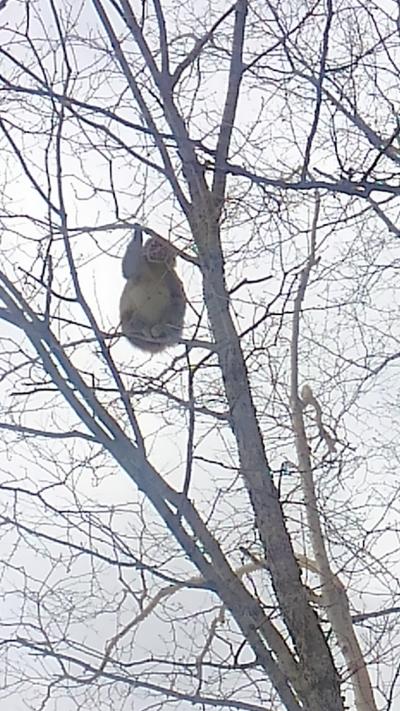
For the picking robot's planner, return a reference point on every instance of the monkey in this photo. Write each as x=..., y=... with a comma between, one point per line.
x=153, y=301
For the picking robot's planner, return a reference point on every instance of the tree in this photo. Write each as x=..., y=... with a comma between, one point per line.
x=262, y=140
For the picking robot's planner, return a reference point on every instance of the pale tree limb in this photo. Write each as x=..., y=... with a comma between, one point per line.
x=333, y=593
x=309, y=398
x=266, y=628
x=219, y=619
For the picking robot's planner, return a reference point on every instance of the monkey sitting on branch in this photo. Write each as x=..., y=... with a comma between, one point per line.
x=153, y=302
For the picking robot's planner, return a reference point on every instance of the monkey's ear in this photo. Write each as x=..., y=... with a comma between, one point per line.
x=132, y=261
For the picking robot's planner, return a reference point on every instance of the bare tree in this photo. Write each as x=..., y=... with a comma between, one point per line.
x=256, y=524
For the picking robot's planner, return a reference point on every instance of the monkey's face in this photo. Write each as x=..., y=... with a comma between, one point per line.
x=159, y=250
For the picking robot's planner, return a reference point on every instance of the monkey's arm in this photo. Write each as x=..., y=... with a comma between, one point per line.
x=132, y=263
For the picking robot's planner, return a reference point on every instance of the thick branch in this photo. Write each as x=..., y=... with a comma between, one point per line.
x=231, y=102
